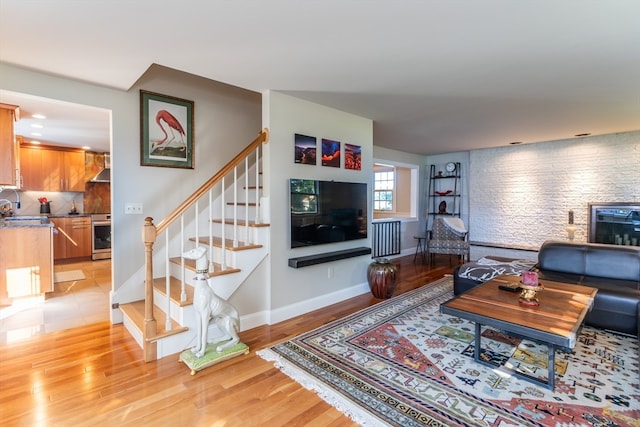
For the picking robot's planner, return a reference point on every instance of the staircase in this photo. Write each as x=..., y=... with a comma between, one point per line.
x=224, y=215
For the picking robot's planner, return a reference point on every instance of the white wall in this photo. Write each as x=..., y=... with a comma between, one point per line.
x=226, y=120
x=294, y=291
x=519, y=196
x=522, y=194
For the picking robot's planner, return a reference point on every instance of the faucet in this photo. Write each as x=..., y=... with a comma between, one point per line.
x=17, y=202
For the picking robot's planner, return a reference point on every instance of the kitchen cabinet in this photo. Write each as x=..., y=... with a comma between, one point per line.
x=10, y=159
x=52, y=169
x=32, y=169
x=73, y=237
x=26, y=262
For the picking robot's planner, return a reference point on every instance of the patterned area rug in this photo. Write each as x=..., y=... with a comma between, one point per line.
x=401, y=362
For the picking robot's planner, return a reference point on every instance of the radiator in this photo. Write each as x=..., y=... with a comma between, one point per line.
x=386, y=238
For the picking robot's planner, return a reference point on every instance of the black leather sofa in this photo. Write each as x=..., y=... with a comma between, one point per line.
x=614, y=270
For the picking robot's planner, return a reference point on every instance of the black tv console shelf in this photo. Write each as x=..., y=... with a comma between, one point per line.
x=305, y=261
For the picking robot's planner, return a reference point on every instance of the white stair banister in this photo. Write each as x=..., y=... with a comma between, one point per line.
x=152, y=337
x=246, y=198
x=224, y=222
x=235, y=207
x=167, y=283
x=210, y=249
x=257, y=172
x=183, y=285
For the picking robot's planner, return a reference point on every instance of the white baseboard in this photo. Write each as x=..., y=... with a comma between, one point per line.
x=297, y=309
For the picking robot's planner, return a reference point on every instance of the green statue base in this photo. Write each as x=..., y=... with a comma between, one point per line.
x=211, y=356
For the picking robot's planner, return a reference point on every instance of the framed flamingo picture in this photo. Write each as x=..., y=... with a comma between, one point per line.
x=166, y=131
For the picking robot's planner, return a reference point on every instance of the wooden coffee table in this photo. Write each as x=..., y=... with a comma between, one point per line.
x=556, y=322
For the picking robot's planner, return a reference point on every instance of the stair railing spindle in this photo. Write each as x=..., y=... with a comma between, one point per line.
x=235, y=207
x=224, y=223
x=197, y=225
x=257, y=171
x=247, y=239
x=183, y=285
x=167, y=284
x=211, y=230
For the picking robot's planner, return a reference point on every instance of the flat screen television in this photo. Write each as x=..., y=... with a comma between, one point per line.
x=327, y=211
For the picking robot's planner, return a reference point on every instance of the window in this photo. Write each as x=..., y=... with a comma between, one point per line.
x=395, y=189
x=383, y=190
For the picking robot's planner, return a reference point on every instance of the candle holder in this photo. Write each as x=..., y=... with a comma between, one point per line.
x=528, y=294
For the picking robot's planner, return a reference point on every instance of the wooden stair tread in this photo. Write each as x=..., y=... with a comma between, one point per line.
x=217, y=242
x=135, y=312
x=241, y=223
x=242, y=203
x=190, y=264
x=175, y=289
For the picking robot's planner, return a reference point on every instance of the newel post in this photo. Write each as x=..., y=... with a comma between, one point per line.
x=148, y=239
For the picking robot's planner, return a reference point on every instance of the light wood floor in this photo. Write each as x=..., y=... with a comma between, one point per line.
x=94, y=376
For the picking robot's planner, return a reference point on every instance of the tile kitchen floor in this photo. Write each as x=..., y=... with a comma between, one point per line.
x=71, y=304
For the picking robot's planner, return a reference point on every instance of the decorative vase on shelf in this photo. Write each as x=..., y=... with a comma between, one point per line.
x=381, y=275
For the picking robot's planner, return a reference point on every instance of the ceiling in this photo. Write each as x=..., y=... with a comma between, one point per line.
x=435, y=76
x=66, y=124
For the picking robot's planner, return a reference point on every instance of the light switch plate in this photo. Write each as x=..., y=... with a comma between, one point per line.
x=133, y=208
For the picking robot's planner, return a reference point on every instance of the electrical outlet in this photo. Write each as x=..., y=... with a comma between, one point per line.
x=133, y=208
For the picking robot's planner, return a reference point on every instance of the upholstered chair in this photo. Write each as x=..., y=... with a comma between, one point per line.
x=448, y=236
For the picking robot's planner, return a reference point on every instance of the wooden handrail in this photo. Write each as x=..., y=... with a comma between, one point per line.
x=263, y=137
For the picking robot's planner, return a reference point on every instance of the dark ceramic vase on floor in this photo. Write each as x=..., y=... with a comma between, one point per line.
x=381, y=275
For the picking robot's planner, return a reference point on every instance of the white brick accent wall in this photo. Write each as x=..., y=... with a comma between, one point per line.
x=521, y=195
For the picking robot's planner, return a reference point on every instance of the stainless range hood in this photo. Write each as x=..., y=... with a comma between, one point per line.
x=105, y=174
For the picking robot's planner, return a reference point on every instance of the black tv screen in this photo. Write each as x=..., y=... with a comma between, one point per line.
x=327, y=211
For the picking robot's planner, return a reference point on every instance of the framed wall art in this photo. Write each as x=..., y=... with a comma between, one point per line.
x=166, y=131
x=330, y=153
x=305, y=149
x=352, y=157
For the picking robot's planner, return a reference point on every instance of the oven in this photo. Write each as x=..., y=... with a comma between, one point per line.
x=100, y=236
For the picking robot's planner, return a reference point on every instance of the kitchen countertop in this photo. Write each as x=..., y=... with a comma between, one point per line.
x=25, y=222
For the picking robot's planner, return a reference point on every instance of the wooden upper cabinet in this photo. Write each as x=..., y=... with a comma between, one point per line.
x=74, y=167
x=32, y=169
x=52, y=169
x=9, y=149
